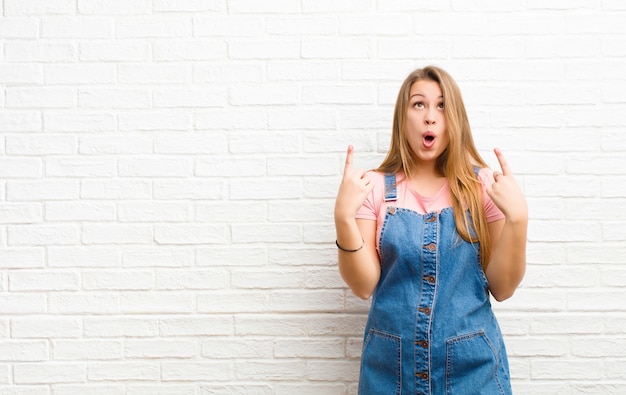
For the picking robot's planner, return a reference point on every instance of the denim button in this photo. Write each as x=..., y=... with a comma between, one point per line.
x=430, y=279
x=431, y=246
x=422, y=343
x=432, y=218
x=422, y=375
x=425, y=310
x=391, y=210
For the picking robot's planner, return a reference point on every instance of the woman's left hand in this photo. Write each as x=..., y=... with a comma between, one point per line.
x=506, y=193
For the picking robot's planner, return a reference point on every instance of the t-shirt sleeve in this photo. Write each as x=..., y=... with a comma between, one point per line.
x=371, y=206
x=492, y=211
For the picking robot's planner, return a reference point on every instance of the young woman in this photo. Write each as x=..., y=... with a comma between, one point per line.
x=430, y=235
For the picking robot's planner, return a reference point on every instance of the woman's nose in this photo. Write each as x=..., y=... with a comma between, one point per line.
x=430, y=118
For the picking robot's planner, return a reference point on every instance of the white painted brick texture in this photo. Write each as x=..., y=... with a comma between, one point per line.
x=168, y=171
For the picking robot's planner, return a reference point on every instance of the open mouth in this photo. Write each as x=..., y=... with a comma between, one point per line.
x=428, y=139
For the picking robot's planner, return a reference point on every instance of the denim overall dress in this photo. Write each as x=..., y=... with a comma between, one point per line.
x=430, y=329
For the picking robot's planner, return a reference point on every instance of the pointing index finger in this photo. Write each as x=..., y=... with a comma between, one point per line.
x=504, y=165
x=348, y=166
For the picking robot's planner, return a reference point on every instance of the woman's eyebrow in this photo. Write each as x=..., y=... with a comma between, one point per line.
x=419, y=94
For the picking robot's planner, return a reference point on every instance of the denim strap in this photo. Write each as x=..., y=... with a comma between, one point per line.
x=390, y=187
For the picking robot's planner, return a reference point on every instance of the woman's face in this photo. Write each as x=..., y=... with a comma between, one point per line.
x=425, y=122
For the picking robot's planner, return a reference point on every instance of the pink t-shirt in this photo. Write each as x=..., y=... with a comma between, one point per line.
x=375, y=207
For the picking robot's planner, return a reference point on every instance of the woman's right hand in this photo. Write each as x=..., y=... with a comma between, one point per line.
x=354, y=188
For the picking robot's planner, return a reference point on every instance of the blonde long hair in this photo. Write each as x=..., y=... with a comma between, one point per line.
x=456, y=162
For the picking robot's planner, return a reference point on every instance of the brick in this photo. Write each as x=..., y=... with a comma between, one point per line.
x=155, y=121
x=159, y=349
x=116, y=144
x=156, y=302
x=79, y=212
x=120, y=371
x=380, y=25
x=68, y=350
x=227, y=71
x=40, y=51
x=306, y=25
x=337, y=48
x=74, y=166
x=219, y=166
x=79, y=122
x=20, y=167
x=193, y=189
x=18, y=73
x=116, y=233
x=188, y=143
x=154, y=212
x=257, y=49
x=84, y=303
x=326, y=348
x=43, y=281
x=221, y=348
x=332, y=370
x=266, y=233
x=190, y=234
x=20, y=213
x=152, y=26
x=154, y=167
x=114, y=7
x=272, y=370
x=157, y=73
x=76, y=27
x=19, y=27
x=114, y=189
x=133, y=50
x=195, y=325
x=117, y=280
x=197, y=371
x=21, y=258
x=157, y=257
x=23, y=351
x=269, y=7
x=80, y=389
x=38, y=144
x=243, y=255
x=92, y=256
x=192, y=279
x=49, y=372
x=38, y=7
x=183, y=50
x=245, y=142
x=21, y=121
x=233, y=302
x=352, y=94
x=293, y=70
x=161, y=389
x=266, y=94
x=43, y=235
x=40, y=97
x=187, y=5
x=328, y=6
x=111, y=327
x=46, y=327
x=114, y=98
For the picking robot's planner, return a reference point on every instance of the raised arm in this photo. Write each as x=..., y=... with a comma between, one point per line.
x=359, y=264
x=508, y=236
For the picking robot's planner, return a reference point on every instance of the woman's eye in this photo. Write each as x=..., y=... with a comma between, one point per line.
x=419, y=104
x=440, y=106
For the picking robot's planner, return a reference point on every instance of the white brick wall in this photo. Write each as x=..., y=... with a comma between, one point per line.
x=168, y=171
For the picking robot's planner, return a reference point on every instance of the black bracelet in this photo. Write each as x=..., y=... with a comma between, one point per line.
x=343, y=249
